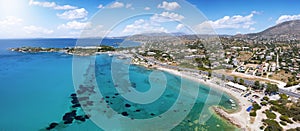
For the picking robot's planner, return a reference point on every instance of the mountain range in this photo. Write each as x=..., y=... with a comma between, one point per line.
x=289, y=30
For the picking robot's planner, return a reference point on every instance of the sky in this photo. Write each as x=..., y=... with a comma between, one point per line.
x=100, y=18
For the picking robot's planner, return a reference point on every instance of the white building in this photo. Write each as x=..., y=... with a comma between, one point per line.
x=236, y=86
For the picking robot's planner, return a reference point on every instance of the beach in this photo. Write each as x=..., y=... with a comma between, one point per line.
x=239, y=118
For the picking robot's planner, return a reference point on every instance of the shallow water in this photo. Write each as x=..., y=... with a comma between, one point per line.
x=35, y=90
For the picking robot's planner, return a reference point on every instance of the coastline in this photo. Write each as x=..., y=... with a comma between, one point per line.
x=238, y=117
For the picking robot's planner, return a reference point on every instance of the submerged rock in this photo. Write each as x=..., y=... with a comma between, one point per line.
x=52, y=126
x=87, y=116
x=83, y=98
x=69, y=117
x=80, y=118
x=133, y=85
x=73, y=95
x=124, y=113
x=76, y=105
x=75, y=101
x=127, y=105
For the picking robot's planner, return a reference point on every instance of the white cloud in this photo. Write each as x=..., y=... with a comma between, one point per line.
x=252, y=29
x=147, y=8
x=100, y=6
x=166, y=17
x=74, y=14
x=64, y=7
x=143, y=26
x=95, y=31
x=256, y=12
x=128, y=5
x=169, y=5
x=179, y=26
x=284, y=18
x=51, y=5
x=75, y=25
x=10, y=21
x=117, y=5
x=227, y=22
x=37, y=30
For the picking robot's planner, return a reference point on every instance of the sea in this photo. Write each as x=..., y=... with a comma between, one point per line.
x=35, y=90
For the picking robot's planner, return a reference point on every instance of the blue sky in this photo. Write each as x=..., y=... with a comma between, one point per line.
x=96, y=18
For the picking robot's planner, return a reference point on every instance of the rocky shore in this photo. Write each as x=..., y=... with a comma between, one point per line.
x=226, y=116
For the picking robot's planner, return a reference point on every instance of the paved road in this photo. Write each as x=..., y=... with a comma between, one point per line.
x=229, y=78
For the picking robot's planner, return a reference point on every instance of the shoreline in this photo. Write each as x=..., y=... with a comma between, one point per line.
x=237, y=117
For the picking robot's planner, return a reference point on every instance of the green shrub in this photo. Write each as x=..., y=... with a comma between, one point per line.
x=273, y=102
x=253, y=113
x=256, y=106
x=272, y=125
x=296, y=118
x=282, y=123
x=264, y=103
x=296, y=129
x=270, y=114
x=283, y=96
x=266, y=98
x=285, y=118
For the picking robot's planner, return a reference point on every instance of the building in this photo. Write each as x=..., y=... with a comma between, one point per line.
x=236, y=86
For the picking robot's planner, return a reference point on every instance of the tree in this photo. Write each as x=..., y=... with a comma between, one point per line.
x=256, y=85
x=242, y=81
x=272, y=88
x=235, y=79
x=223, y=77
x=209, y=73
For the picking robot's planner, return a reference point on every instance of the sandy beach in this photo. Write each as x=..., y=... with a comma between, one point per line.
x=240, y=117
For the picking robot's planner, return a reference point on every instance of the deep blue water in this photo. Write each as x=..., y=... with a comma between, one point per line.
x=35, y=88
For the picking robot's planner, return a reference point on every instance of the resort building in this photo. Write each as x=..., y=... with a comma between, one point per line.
x=236, y=86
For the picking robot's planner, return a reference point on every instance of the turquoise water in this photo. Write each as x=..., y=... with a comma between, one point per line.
x=35, y=90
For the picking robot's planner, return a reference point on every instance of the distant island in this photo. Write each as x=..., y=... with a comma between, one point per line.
x=81, y=51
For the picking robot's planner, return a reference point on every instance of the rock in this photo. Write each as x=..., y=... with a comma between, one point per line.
x=124, y=113
x=52, y=126
x=83, y=98
x=87, y=116
x=127, y=105
x=80, y=118
x=133, y=85
x=90, y=103
x=73, y=95
x=68, y=122
x=75, y=101
x=76, y=105
x=68, y=117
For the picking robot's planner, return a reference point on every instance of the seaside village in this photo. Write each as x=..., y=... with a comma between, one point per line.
x=264, y=78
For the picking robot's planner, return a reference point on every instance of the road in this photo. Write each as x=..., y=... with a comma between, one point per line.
x=228, y=77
